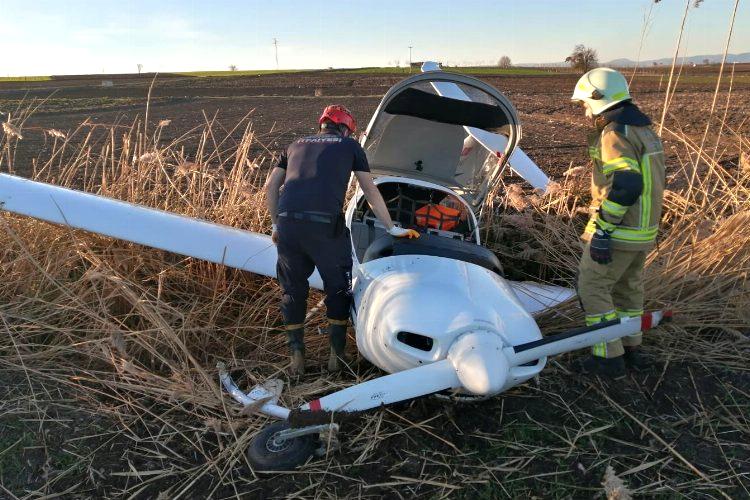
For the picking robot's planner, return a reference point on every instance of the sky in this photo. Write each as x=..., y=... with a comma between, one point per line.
x=43, y=37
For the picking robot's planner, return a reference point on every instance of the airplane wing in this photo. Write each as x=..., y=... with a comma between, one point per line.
x=183, y=235
x=519, y=162
x=537, y=297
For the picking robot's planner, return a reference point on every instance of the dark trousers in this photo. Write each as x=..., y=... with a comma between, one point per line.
x=303, y=246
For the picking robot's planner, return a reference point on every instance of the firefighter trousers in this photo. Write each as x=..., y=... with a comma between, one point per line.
x=303, y=246
x=609, y=291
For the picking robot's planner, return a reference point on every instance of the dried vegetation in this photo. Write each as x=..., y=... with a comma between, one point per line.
x=129, y=337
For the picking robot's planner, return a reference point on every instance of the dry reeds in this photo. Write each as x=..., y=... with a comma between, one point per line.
x=136, y=333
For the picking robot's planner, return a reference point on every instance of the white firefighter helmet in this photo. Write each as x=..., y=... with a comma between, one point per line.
x=601, y=88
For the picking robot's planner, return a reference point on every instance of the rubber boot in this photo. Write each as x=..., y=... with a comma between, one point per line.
x=612, y=368
x=296, y=343
x=337, y=338
x=635, y=360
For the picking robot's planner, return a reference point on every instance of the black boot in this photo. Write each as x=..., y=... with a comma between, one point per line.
x=337, y=338
x=613, y=368
x=635, y=360
x=296, y=343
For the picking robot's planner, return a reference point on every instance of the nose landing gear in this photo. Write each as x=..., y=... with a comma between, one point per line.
x=281, y=447
x=271, y=449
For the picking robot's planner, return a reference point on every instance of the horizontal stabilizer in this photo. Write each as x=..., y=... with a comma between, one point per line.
x=524, y=166
x=536, y=297
x=519, y=162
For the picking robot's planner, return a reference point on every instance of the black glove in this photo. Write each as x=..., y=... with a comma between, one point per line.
x=600, y=247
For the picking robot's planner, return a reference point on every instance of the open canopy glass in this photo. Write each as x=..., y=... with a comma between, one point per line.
x=445, y=128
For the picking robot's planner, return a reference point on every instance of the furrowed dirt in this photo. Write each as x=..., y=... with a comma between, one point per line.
x=286, y=106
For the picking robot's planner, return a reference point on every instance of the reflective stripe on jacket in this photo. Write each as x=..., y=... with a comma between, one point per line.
x=636, y=149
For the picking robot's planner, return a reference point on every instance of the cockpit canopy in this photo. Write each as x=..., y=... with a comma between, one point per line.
x=444, y=128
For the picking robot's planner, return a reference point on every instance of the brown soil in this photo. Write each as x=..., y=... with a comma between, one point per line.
x=532, y=441
x=285, y=106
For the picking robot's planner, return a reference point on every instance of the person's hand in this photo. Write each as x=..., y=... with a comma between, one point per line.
x=400, y=232
x=600, y=250
x=274, y=234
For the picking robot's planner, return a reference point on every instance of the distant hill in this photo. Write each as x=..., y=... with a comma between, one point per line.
x=712, y=59
x=665, y=61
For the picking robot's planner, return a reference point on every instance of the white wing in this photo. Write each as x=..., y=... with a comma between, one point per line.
x=225, y=245
x=536, y=297
x=519, y=162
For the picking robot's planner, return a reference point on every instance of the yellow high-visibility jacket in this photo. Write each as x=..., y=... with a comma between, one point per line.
x=626, y=148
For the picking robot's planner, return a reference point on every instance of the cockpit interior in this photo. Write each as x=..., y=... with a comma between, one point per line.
x=446, y=224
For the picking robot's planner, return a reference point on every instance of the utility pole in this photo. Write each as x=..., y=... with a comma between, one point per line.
x=409, y=59
x=276, y=49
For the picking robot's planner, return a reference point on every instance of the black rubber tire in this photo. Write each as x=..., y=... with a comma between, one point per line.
x=265, y=455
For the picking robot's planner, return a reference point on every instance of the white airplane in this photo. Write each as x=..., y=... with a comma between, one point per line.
x=435, y=313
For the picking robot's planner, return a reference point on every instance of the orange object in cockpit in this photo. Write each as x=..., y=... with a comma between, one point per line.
x=438, y=217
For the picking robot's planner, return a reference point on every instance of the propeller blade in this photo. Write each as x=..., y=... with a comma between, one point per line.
x=584, y=337
x=393, y=388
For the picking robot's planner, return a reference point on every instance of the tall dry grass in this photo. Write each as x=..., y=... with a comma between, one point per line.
x=136, y=333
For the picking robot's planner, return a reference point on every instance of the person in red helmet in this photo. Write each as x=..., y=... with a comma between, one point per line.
x=308, y=226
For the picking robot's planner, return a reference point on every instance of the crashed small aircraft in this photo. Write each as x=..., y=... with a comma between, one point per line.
x=435, y=313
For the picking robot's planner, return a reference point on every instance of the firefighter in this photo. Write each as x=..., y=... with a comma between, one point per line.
x=627, y=186
x=308, y=226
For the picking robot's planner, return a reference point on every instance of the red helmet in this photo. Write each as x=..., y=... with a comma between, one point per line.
x=339, y=115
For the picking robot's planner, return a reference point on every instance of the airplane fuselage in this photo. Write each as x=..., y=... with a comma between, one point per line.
x=410, y=307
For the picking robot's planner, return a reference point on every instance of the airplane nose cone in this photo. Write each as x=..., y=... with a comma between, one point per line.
x=480, y=364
